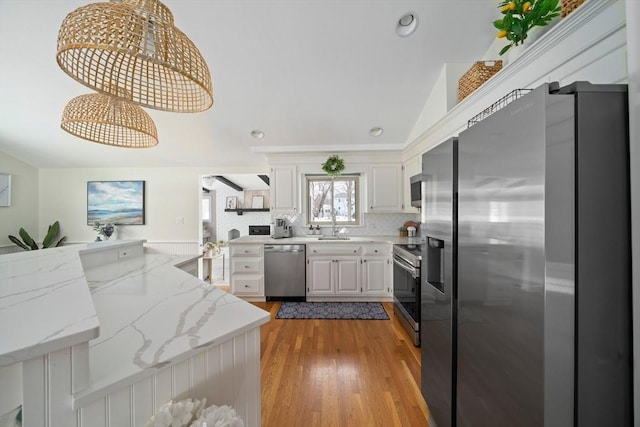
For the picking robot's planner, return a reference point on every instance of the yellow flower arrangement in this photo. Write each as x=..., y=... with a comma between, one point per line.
x=520, y=16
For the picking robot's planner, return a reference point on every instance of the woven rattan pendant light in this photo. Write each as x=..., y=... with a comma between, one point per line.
x=134, y=45
x=109, y=120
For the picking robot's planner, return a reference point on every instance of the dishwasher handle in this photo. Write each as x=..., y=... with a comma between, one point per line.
x=274, y=248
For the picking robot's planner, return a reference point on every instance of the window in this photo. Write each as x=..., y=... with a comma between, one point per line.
x=339, y=195
x=206, y=208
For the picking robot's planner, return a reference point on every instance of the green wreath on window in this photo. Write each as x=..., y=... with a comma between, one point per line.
x=333, y=166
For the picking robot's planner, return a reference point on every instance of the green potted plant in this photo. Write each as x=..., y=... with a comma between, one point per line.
x=28, y=244
x=520, y=16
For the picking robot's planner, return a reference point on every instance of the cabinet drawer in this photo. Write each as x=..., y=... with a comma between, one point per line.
x=246, y=265
x=377, y=249
x=246, y=250
x=251, y=284
x=333, y=250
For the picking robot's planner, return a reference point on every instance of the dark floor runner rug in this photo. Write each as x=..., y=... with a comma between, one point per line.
x=332, y=310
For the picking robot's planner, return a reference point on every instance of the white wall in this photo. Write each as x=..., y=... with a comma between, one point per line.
x=172, y=202
x=633, y=64
x=434, y=108
x=172, y=195
x=23, y=211
x=443, y=97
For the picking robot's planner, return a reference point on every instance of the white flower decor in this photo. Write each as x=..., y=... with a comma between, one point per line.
x=218, y=416
x=178, y=414
x=187, y=413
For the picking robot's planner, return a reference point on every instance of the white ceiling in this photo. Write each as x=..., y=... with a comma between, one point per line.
x=314, y=75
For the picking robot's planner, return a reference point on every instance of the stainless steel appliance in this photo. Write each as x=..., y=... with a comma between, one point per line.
x=281, y=229
x=284, y=272
x=438, y=326
x=259, y=230
x=415, y=184
x=406, y=288
x=539, y=321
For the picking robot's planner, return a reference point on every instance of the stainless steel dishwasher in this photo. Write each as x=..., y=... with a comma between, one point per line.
x=284, y=272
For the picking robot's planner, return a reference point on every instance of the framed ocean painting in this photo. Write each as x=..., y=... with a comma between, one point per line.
x=115, y=202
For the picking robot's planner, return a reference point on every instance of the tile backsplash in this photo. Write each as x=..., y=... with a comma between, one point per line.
x=374, y=224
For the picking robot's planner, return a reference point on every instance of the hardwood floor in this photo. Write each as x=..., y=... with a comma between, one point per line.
x=339, y=373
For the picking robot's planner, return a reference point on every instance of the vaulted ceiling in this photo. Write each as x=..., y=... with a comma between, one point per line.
x=313, y=75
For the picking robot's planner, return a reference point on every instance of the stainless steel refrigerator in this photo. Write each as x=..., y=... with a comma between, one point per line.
x=534, y=326
x=438, y=287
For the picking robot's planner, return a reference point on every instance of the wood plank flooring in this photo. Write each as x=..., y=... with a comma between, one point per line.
x=339, y=373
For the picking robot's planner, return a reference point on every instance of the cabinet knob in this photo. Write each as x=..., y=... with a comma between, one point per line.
x=371, y=207
x=315, y=250
x=247, y=266
x=376, y=251
x=246, y=251
x=246, y=286
x=355, y=250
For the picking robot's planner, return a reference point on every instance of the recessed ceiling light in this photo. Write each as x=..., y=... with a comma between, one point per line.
x=376, y=131
x=257, y=134
x=407, y=24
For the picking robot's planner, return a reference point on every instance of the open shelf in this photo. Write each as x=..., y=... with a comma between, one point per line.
x=243, y=210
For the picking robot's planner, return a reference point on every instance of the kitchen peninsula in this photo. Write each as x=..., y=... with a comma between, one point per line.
x=107, y=333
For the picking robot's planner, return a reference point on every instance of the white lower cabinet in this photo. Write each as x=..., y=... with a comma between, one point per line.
x=320, y=276
x=348, y=276
x=247, y=270
x=376, y=276
x=333, y=275
x=364, y=274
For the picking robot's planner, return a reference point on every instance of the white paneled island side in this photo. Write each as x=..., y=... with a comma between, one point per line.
x=106, y=334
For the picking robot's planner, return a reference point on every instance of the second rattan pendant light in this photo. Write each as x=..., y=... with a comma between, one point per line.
x=109, y=120
x=133, y=45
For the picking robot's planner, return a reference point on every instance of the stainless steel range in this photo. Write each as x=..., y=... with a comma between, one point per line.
x=406, y=287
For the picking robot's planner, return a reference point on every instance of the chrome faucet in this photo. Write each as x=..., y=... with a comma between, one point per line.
x=333, y=221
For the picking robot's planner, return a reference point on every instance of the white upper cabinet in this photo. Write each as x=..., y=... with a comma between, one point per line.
x=384, y=188
x=283, y=189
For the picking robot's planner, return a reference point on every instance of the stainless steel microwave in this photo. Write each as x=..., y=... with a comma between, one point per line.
x=416, y=190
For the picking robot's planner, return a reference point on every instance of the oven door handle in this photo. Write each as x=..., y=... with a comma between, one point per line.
x=405, y=266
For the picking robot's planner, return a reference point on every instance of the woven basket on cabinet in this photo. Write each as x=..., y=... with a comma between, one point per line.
x=568, y=6
x=479, y=73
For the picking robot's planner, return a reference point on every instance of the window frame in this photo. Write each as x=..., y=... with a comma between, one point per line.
x=344, y=177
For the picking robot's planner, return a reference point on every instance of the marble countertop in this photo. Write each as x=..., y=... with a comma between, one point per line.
x=45, y=304
x=152, y=313
x=314, y=239
x=139, y=314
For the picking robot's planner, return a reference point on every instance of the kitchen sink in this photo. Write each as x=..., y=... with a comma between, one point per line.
x=333, y=238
